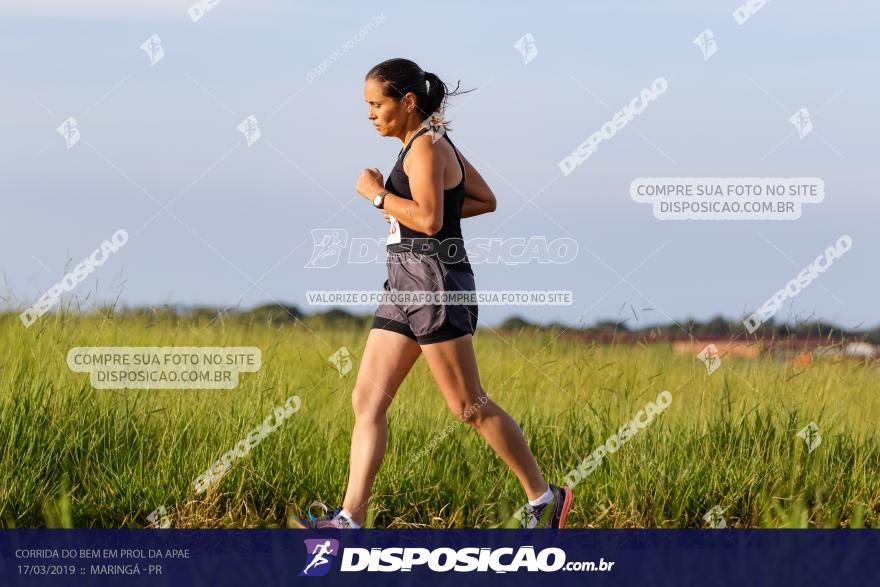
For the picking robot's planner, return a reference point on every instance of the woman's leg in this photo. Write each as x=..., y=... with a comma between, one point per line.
x=388, y=357
x=454, y=367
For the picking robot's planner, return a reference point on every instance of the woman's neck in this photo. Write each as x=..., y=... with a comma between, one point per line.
x=407, y=137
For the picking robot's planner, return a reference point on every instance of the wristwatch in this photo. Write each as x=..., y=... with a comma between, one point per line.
x=379, y=199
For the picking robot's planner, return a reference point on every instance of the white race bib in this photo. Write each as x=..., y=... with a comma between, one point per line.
x=393, y=231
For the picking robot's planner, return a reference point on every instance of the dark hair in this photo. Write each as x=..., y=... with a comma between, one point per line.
x=399, y=76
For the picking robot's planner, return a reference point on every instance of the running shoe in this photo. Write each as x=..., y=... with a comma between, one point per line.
x=548, y=515
x=331, y=519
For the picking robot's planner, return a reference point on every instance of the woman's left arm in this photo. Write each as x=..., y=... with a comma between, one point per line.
x=478, y=196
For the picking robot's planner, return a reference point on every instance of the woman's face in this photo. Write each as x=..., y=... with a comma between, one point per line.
x=387, y=114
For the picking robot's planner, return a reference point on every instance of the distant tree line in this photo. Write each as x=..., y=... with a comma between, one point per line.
x=717, y=327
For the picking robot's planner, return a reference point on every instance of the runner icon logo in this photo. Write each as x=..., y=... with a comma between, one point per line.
x=319, y=550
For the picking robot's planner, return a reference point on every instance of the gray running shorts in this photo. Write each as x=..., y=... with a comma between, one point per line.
x=426, y=323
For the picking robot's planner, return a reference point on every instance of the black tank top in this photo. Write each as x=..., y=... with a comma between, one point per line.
x=452, y=252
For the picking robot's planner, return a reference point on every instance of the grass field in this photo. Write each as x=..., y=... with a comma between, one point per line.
x=76, y=456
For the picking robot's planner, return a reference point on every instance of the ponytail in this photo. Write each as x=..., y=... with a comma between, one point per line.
x=436, y=92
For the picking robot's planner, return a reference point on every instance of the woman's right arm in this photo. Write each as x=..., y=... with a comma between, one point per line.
x=478, y=196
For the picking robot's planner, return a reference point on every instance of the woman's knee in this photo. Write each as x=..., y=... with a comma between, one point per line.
x=473, y=413
x=368, y=403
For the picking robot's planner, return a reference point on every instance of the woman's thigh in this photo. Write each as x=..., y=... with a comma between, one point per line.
x=388, y=357
x=454, y=366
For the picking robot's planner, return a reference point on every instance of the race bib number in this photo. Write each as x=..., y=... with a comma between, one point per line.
x=393, y=231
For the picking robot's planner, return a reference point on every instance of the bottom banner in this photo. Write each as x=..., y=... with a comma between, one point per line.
x=438, y=557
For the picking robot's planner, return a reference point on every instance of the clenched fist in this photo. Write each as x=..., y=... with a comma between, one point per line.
x=370, y=183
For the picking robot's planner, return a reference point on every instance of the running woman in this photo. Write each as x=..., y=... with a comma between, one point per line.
x=430, y=189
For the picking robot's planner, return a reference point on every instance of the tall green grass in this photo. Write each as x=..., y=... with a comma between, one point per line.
x=71, y=455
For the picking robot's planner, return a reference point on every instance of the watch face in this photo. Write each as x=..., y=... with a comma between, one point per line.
x=377, y=201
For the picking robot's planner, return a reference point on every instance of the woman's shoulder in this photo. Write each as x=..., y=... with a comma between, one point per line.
x=430, y=144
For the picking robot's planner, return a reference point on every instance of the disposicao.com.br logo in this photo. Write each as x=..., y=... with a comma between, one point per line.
x=443, y=559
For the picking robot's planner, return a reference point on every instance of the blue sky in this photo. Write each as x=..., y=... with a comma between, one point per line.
x=238, y=232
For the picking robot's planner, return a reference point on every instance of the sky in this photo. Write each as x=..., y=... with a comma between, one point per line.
x=214, y=221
